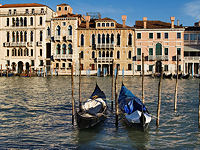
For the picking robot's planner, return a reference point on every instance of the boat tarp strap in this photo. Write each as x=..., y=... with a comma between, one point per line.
x=98, y=93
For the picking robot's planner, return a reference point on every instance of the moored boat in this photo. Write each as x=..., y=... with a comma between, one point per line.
x=187, y=76
x=134, y=111
x=167, y=76
x=93, y=111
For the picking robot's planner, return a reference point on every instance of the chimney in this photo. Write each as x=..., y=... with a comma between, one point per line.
x=0, y=4
x=87, y=18
x=145, y=22
x=178, y=23
x=124, y=20
x=84, y=16
x=172, y=22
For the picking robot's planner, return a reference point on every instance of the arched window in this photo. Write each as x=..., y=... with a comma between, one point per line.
x=25, y=52
x=40, y=20
x=99, y=39
x=158, y=49
x=58, y=31
x=118, y=39
x=103, y=39
x=17, y=22
x=21, y=51
x=18, y=52
x=13, y=36
x=93, y=39
x=99, y=53
x=48, y=32
x=21, y=36
x=31, y=21
x=108, y=39
x=25, y=21
x=112, y=38
x=118, y=54
x=13, y=52
x=58, y=49
x=70, y=30
x=111, y=54
x=25, y=36
x=70, y=49
x=82, y=40
x=17, y=36
x=107, y=54
x=8, y=36
x=103, y=54
x=31, y=36
x=93, y=54
x=41, y=35
x=64, y=49
x=130, y=39
x=82, y=55
x=129, y=54
x=13, y=22
x=21, y=21
x=8, y=21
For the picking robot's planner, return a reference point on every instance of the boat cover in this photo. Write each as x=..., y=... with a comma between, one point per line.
x=128, y=102
x=98, y=93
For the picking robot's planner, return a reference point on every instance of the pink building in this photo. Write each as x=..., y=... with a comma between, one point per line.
x=160, y=42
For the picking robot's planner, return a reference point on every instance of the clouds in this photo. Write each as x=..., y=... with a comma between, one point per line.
x=193, y=9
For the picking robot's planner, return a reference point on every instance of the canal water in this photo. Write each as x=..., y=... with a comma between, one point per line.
x=35, y=113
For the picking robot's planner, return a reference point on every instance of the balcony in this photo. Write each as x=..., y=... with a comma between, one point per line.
x=105, y=46
x=63, y=56
x=30, y=44
x=192, y=58
x=138, y=57
x=19, y=13
x=105, y=59
x=57, y=38
x=23, y=44
x=191, y=42
x=39, y=43
x=151, y=57
x=6, y=44
x=69, y=38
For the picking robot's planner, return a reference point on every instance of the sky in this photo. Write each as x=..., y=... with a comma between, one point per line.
x=186, y=11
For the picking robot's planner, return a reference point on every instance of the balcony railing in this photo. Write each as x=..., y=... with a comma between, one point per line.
x=151, y=57
x=192, y=58
x=69, y=37
x=104, y=59
x=15, y=44
x=18, y=13
x=105, y=46
x=39, y=43
x=30, y=44
x=63, y=56
x=192, y=42
x=138, y=57
x=57, y=38
x=6, y=44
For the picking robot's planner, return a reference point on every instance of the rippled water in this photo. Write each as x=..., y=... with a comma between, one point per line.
x=35, y=113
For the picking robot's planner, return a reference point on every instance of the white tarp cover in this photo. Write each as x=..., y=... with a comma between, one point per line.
x=135, y=117
x=93, y=106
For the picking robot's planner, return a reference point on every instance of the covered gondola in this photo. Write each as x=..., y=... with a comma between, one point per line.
x=134, y=111
x=167, y=76
x=93, y=111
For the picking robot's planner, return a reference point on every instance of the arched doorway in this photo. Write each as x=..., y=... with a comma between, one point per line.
x=27, y=67
x=158, y=66
x=20, y=67
x=13, y=66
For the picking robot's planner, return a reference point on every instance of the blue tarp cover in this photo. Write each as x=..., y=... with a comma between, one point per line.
x=98, y=92
x=128, y=102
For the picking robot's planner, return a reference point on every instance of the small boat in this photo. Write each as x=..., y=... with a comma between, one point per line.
x=167, y=76
x=93, y=111
x=134, y=111
x=187, y=76
x=9, y=74
x=179, y=76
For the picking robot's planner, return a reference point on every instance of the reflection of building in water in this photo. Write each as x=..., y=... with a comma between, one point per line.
x=192, y=49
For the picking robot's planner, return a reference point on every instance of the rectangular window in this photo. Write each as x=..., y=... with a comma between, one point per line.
x=57, y=65
x=64, y=23
x=179, y=51
x=165, y=67
x=32, y=63
x=98, y=24
x=33, y=11
x=150, y=51
x=42, y=10
x=112, y=25
x=65, y=8
x=26, y=11
x=15, y=11
x=31, y=52
x=40, y=20
x=7, y=52
x=63, y=65
x=178, y=35
x=41, y=62
x=138, y=51
x=150, y=67
x=158, y=35
x=138, y=67
x=40, y=52
x=59, y=8
x=69, y=65
x=7, y=22
x=107, y=24
x=129, y=67
x=166, y=35
x=179, y=67
x=138, y=35
x=166, y=51
x=82, y=55
x=103, y=24
x=8, y=62
x=150, y=35
x=186, y=37
x=9, y=12
x=193, y=37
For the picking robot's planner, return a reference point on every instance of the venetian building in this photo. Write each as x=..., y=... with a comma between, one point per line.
x=64, y=40
x=103, y=43
x=160, y=42
x=23, y=35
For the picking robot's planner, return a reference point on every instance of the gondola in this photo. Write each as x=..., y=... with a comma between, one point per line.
x=179, y=76
x=167, y=76
x=93, y=111
x=134, y=111
x=187, y=76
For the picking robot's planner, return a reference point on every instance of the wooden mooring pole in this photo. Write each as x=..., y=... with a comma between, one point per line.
x=143, y=78
x=112, y=96
x=159, y=98
x=176, y=86
x=1, y=70
x=72, y=86
x=199, y=95
x=7, y=70
x=79, y=81
x=116, y=100
x=30, y=71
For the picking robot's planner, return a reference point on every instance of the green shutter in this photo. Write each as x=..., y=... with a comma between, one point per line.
x=138, y=35
x=138, y=67
x=150, y=51
x=150, y=67
x=150, y=35
x=166, y=51
x=158, y=49
x=179, y=51
x=138, y=51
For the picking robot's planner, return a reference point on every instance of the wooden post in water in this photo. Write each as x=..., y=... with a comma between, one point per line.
x=79, y=81
x=1, y=70
x=116, y=100
x=73, y=103
x=7, y=70
x=176, y=86
x=112, y=98
x=143, y=78
x=199, y=95
x=159, y=98
x=29, y=70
